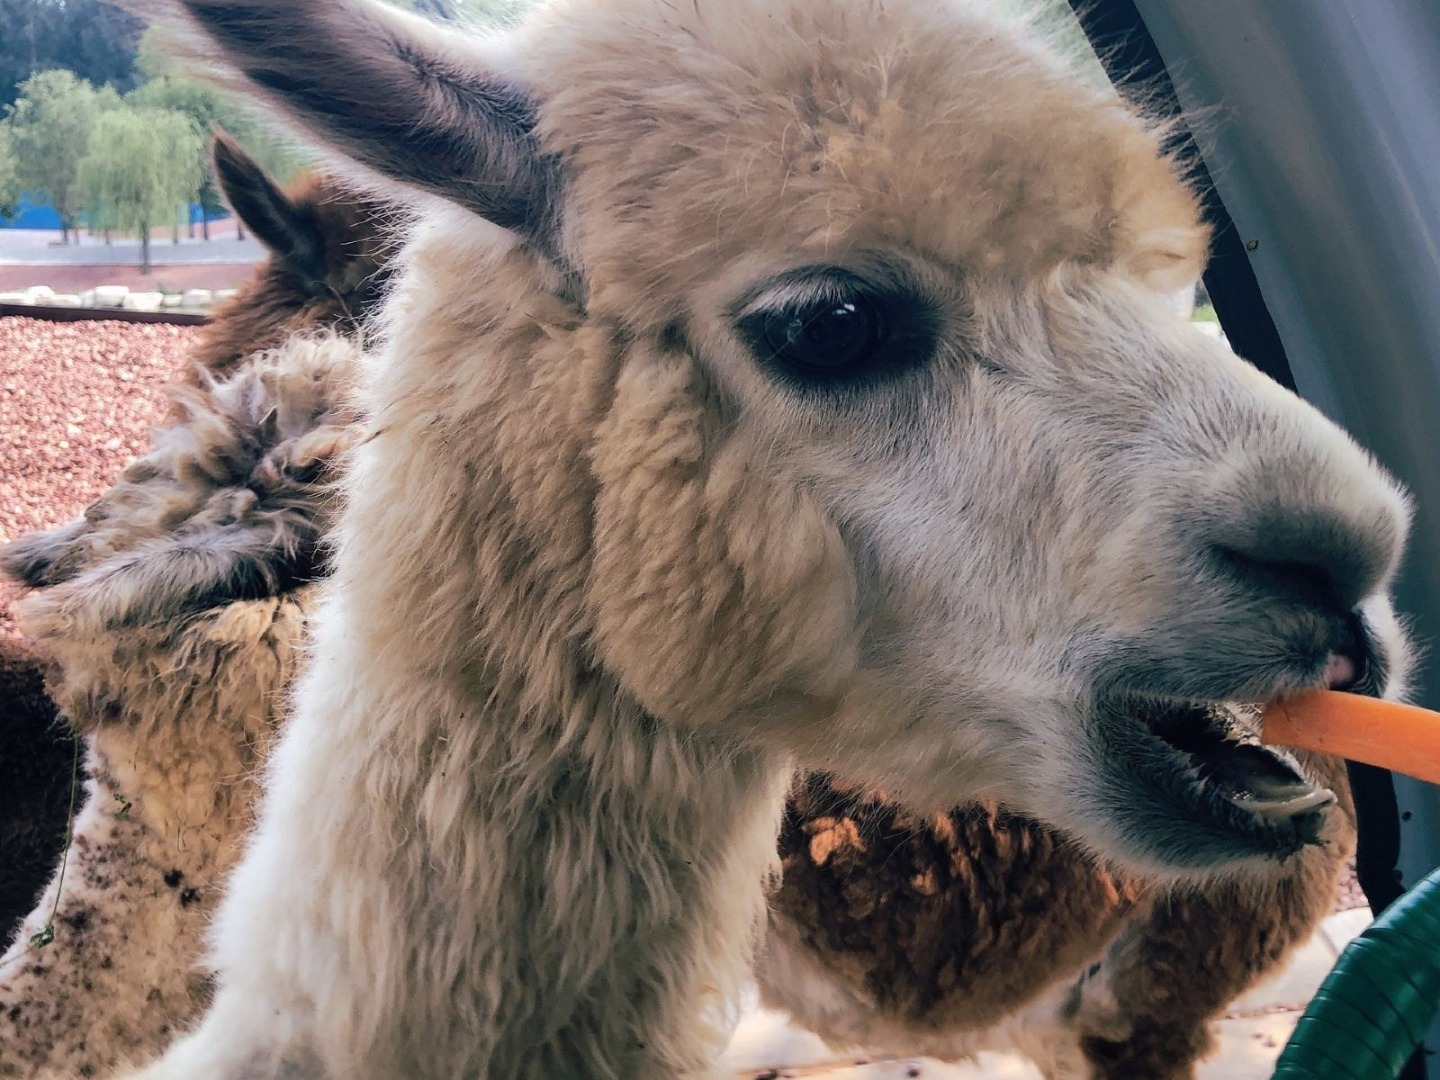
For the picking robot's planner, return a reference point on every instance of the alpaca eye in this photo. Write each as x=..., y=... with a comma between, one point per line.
x=832, y=337
x=829, y=329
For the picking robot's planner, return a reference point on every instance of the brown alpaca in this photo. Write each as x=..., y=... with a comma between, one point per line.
x=983, y=929
x=327, y=266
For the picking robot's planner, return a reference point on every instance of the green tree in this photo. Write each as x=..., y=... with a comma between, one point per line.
x=209, y=107
x=141, y=167
x=9, y=184
x=50, y=129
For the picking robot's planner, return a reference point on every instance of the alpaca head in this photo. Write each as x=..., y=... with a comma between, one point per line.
x=329, y=257
x=898, y=463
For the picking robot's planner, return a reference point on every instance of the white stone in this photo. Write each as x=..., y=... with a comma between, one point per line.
x=171, y=300
x=223, y=294
x=111, y=295
x=143, y=301
x=197, y=298
x=39, y=294
x=15, y=298
x=65, y=300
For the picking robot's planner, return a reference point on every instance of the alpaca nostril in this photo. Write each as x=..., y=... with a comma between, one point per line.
x=1299, y=580
x=1321, y=556
x=1348, y=664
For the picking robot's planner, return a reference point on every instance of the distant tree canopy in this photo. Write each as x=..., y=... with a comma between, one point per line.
x=96, y=41
x=141, y=167
x=50, y=127
x=9, y=181
x=53, y=55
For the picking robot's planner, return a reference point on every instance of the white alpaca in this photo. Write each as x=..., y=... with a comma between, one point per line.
x=816, y=407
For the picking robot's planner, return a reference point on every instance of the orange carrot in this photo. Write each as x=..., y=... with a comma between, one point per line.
x=1404, y=738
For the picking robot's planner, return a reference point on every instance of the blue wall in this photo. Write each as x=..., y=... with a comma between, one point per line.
x=38, y=215
x=34, y=215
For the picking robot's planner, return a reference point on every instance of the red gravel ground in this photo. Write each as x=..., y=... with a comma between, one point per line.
x=76, y=404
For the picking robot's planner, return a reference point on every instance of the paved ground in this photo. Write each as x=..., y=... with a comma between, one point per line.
x=1251, y=1035
x=35, y=257
x=33, y=247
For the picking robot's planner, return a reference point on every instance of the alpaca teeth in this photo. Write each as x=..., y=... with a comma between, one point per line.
x=1269, y=789
x=1315, y=799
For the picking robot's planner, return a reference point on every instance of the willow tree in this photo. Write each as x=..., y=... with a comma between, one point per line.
x=209, y=107
x=50, y=125
x=141, y=167
x=9, y=182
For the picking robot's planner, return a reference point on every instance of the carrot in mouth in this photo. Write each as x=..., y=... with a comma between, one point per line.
x=1402, y=738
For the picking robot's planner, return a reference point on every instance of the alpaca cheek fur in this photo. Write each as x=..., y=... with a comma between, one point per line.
x=758, y=552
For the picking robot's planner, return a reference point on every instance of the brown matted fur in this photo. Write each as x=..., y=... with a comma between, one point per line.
x=980, y=929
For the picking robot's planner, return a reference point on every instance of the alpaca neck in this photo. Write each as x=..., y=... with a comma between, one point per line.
x=573, y=886
x=588, y=889
x=641, y=853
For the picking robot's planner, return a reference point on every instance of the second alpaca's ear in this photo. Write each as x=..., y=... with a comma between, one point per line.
x=408, y=100
x=288, y=230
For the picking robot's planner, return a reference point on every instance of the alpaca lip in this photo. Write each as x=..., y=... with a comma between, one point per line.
x=1225, y=756
x=1315, y=799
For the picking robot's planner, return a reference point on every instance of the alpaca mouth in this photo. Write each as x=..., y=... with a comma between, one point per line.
x=1220, y=745
x=1187, y=785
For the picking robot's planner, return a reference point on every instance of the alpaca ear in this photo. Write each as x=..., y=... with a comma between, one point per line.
x=402, y=97
x=290, y=231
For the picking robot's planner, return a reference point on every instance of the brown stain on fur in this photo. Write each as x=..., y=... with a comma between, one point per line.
x=961, y=917
x=950, y=923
